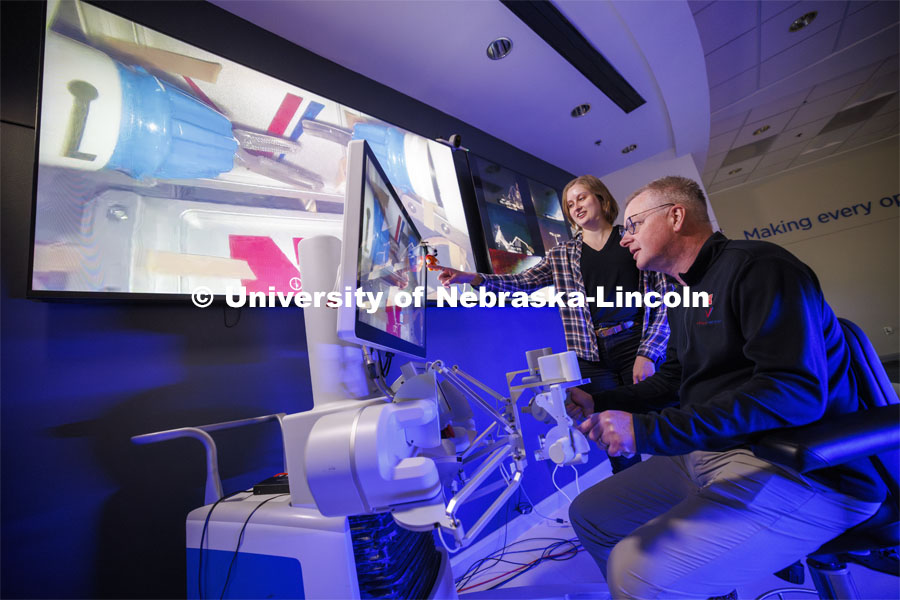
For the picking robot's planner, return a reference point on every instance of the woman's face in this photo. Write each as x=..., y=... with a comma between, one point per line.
x=584, y=206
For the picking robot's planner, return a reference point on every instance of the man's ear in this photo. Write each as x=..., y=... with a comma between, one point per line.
x=678, y=215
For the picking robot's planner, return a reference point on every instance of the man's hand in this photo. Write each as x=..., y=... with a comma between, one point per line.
x=613, y=430
x=579, y=403
x=643, y=368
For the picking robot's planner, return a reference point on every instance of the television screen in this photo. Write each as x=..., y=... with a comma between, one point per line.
x=163, y=167
x=548, y=210
x=522, y=219
x=383, y=259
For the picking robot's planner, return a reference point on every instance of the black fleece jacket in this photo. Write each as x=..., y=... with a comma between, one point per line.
x=768, y=353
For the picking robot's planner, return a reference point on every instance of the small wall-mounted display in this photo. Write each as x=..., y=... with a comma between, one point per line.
x=163, y=167
x=522, y=219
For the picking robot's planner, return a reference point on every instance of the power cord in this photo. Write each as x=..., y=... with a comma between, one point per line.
x=556, y=485
x=481, y=565
x=440, y=535
x=531, y=504
x=203, y=536
x=384, y=362
x=240, y=540
x=547, y=554
x=562, y=522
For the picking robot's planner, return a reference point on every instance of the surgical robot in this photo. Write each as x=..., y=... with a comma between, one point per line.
x=372, y=470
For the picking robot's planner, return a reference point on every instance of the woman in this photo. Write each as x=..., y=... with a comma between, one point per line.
x=615, y=346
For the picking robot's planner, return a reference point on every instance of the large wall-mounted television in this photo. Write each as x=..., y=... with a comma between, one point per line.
x=162, y=167
x=521, y=218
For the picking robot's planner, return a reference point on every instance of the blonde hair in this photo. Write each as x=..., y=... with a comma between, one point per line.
x=608, y=205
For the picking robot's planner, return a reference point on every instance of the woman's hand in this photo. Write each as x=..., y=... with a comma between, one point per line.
x=643, y=368
x=450, y=276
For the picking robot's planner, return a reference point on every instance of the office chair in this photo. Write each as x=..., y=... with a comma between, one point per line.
x=872, y=432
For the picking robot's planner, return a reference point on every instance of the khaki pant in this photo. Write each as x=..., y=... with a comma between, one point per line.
x=705, y=523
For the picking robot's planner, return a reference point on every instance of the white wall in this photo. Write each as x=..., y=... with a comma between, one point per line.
x=623, y=182
x=839, y=216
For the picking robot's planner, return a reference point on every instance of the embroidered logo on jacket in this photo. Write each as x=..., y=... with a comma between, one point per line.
x=708, y=312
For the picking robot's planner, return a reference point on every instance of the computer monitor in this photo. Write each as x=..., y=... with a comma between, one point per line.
x=381, y=255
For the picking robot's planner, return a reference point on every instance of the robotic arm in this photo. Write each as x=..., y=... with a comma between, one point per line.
x=400, y=456
x=555, y=373
x=500, y=441
x=419, y=456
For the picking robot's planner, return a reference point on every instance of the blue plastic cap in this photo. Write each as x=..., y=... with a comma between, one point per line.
x=387, y=144
x=167, y=133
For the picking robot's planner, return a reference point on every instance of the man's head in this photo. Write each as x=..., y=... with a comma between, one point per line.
x=666, y=222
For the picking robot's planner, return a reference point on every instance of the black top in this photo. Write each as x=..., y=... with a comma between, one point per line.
x=768, y=353
x=609, y=267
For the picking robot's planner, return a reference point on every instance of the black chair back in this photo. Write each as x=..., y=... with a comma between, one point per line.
x=874, y=389
x=872, y=382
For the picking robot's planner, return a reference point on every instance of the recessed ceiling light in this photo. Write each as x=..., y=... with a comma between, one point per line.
x=735, y=171
x=581, y=110
x=630, y=148
x=803, y=21
x=762, y=129
x=598, y=142
x=499, y=48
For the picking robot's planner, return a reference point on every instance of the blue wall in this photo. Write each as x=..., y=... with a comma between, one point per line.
x=88, y=514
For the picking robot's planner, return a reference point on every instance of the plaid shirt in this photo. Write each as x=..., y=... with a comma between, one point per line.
x=562, y=268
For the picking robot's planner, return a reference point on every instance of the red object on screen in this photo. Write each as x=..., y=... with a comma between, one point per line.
x=271, y=267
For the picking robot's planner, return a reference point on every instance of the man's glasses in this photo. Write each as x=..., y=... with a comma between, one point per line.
x=631, y=226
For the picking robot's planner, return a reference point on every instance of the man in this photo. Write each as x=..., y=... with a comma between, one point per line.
x=704, y=515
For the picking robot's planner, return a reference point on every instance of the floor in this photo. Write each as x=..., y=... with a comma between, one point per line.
x=579, y=578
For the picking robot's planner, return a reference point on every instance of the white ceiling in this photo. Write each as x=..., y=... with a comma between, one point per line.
x=733, y=60
x=435, y=51
x=761, y=74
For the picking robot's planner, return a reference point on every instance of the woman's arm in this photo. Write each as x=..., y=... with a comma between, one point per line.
x=535, y=278
x=529, y=280
x=656, y=326
x=450, y=276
